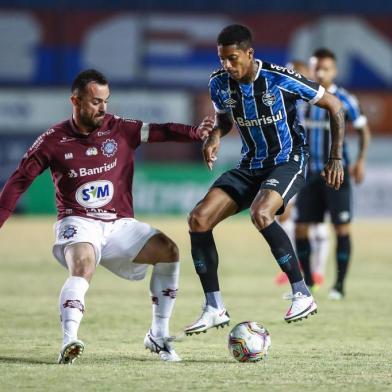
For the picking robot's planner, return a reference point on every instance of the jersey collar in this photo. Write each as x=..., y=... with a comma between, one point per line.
x=259, y=70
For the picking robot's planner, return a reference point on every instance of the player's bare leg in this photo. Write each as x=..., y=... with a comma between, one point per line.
x=263, y=210
x=216, y=206
x=343, y=253
x=81, y=264
x=161, y=252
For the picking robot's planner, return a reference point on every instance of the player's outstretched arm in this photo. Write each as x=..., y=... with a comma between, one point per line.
x=16, y=185
x=333, y=170
x=222, y=126
x=174, y=132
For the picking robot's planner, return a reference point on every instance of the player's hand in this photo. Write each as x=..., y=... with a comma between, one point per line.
x=205, y=127
x=357, y=171
x=210, y=149
x=333, y=173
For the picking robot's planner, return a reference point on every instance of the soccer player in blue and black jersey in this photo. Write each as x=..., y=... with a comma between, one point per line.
x=259, y=98
x=315, y=198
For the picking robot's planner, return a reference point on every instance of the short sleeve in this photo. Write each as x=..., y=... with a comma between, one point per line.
x=353, y=110
x=37, y=158
x=216, y=98
x=293, y=82
x=133, y=130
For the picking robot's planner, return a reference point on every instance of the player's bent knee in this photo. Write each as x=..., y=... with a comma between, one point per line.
x=198, y=220
x=80, y=260
x=261, y=218
x=173, y=253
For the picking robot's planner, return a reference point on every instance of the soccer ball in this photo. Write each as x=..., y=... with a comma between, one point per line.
x=249, y=341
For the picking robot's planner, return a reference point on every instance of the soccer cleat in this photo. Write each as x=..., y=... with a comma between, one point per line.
x=301, y=307
x=335, y=295
x=211, y=317
x=161, y=346
x=70, y=351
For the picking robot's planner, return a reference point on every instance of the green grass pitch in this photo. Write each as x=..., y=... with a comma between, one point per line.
x=347, y=346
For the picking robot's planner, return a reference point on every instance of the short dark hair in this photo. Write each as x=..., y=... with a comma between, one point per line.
x=235, y=34
x=85, y=77
x=324, y=53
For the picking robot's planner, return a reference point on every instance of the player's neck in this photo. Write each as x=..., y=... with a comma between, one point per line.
x=80, y=127
x=251, y=76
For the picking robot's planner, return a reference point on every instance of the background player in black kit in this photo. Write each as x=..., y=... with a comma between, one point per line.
x=315, y=199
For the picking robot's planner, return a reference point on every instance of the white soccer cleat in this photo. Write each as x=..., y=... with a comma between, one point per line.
x=301, y=307
x=211, y=317
x=70, y=351
x=335, y=295
x=161, y=346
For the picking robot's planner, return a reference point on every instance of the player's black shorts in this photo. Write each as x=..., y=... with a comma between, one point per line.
x=316, y=198
x=242, y=185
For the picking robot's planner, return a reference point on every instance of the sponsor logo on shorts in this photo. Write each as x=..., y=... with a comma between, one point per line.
x=109, y=147
x=95, y=194
x=69, y=232
x=272, y=182
x=74, y=304
x=68, y=155
x=344, y=216
x=268, y=98
x=172, y=293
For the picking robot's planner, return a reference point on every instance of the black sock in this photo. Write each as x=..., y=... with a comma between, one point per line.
x=283, y=251
x=205, y=259
x=303, y=251
x=343, y=252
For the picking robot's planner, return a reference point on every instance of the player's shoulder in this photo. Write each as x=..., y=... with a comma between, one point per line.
x=113, y=120
x=50, y=135
x=346, y=97
x=270, y=69
x=218, y=77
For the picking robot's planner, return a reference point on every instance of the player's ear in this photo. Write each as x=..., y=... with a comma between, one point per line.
x=251, y=52
x=75, y=100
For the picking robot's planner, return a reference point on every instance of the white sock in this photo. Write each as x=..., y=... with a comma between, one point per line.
x=163, y=289
x=319, y=241
x=214, y=299
x=71, y=304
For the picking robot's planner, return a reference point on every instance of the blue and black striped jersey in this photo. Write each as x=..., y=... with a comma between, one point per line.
x=265, y=113
x=318, y=129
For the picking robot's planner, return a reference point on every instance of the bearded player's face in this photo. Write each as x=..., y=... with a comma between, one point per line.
x=236, y=61
x=325, y=71
x=92, y=105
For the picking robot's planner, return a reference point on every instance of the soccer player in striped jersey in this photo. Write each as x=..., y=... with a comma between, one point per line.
x=315, y=198
x=260, y=98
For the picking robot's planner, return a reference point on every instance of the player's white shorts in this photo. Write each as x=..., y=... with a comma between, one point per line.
x=116, y=244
